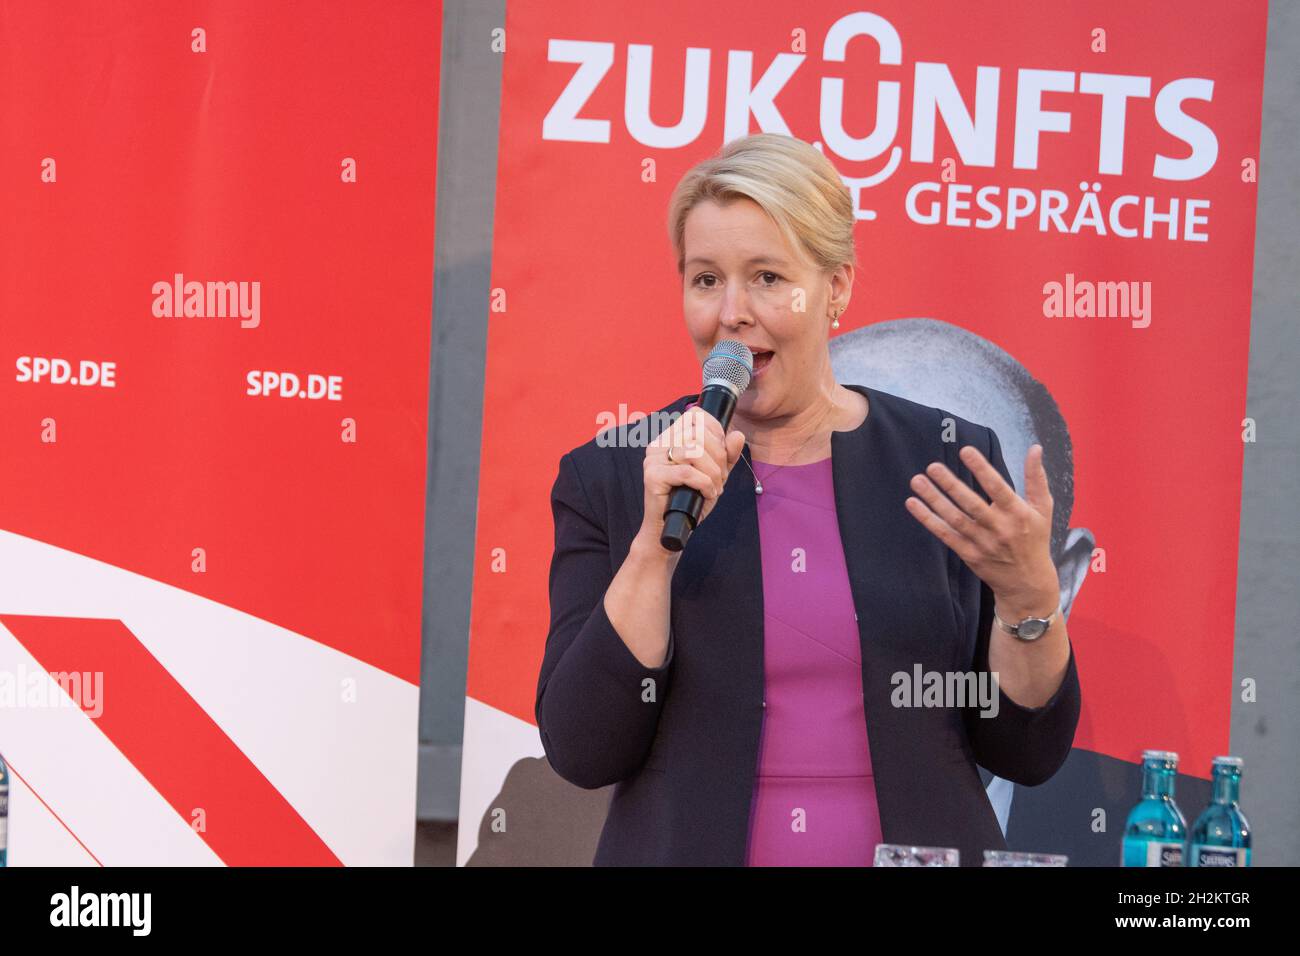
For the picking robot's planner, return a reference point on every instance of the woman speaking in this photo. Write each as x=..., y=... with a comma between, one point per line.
x=812, y=674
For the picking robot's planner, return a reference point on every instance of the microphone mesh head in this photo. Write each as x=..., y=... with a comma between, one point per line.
x=732, y=362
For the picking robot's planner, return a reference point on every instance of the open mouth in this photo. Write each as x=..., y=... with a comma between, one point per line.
x=762, y=358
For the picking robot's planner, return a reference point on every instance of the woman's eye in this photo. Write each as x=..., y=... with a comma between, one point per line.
x=707, y=280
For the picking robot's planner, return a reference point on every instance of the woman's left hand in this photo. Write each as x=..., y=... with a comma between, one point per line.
x=1006, y=543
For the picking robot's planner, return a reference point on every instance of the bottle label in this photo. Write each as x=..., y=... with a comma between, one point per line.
x=1219, y=856
x=1164, y=854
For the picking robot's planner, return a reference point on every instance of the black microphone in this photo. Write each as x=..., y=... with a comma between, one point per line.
x=727, y=372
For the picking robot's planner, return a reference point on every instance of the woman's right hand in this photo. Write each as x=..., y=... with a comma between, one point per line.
x=702, y=458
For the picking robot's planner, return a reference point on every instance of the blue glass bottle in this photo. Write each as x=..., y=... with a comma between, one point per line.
x=4, y=813
x=1221, y=836
x=1156, y=830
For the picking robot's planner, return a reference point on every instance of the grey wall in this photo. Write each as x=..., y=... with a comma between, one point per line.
x=1266, y=733
x=462, y=266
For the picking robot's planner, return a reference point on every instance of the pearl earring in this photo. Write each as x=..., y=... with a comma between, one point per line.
x=836, y=323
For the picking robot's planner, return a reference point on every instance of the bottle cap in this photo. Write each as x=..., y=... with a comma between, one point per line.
x=1167, y=756
x=1228, y=762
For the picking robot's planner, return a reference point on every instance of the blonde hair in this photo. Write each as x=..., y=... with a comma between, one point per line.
x=790, y=180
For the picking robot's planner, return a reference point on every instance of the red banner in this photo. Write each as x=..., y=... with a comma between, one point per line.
x=1056, y=222
x=217, y=289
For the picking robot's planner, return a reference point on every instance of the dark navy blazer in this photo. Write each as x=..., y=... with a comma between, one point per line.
x=681, y=741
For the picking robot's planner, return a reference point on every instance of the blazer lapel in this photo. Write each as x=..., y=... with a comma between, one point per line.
x=894, y=562
x=717, y=608
x=898, y=573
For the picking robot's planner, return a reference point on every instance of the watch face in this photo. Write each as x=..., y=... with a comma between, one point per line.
x=1032, y=629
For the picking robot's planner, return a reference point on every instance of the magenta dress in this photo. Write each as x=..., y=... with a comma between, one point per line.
x=814, y=794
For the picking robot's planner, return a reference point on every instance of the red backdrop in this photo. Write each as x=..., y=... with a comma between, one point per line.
x=593, y=316
x=226, y=166
x=217, y=141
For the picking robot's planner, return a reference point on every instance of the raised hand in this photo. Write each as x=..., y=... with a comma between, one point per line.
x=1006, y=542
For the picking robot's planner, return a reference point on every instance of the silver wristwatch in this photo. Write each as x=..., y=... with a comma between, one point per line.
x=1030, y=629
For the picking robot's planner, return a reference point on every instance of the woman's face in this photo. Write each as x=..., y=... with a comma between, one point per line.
x=741, y=280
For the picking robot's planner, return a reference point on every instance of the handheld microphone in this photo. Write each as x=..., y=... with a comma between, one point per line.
x=727, y=372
